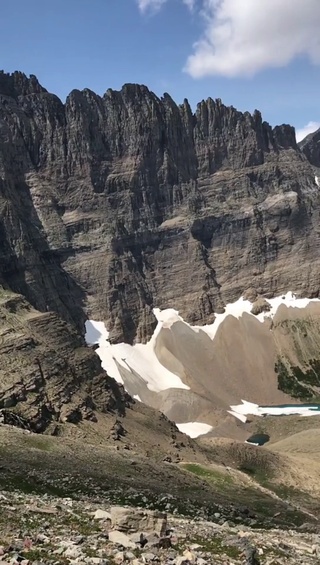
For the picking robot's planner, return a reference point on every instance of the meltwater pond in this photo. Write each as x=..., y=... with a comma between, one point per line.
x=242, y=410
x=293, y=408
x=258, y=439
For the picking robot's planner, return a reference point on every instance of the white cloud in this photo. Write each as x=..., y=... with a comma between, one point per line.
x=242, y=37
x=190, y=4
x=155, y=5
x=309, y=128
x=150, y=5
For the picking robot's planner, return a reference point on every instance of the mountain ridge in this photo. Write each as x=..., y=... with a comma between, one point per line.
x=125, y=180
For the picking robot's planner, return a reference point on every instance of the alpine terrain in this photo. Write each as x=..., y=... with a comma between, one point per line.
x=159, y=293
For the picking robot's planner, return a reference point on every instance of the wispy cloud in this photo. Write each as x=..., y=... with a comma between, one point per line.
x=150, y=5
x=242, y=37
x=309, y=128
x=155, y=5
x=190, y=4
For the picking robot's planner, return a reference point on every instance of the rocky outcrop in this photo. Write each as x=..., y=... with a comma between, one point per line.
x=310, y=146
x=260, y=305
x=113, y=205
x=50, y=381
x=47, y=374
x=132, y=520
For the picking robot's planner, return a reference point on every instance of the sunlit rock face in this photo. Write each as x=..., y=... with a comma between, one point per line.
x=119, y=204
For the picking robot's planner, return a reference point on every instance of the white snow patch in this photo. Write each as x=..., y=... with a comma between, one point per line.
x=255, y=410
x=240, y=417
x=194, y=429
x=139, y=358
x=141, y=361
x=317, y=181
x=95, y=331
x=137, y=397
x=241, y=306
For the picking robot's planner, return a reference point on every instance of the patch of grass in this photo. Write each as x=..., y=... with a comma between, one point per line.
x=35, y=554
x=39, y=442
x=81, y=524
x=41, y=554
x=212, y=546
x=207, y=473
x=30, y=485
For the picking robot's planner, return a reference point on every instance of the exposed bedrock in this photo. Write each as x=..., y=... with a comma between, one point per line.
x=113, y=205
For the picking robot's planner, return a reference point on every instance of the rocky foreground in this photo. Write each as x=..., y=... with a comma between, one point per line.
x=43, y=529
x=49, y=530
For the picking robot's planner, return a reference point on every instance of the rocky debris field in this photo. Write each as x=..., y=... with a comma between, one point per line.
x=43, y=529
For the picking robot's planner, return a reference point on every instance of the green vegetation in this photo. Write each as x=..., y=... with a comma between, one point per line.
x=42, y=554
x=293, y=380
x=207, y=473
x=40, y=442
x=211, y=545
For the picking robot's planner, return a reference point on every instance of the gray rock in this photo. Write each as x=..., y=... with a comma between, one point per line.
x=72, y=552
x=101, y=515
x=181, y=560
x=260, y=305
x=120, y=538
x=135, y=520
x=148, y=557
x=129, y=555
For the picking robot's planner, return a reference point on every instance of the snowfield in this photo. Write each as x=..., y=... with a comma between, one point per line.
x=142, y=365
x=194, y=429
x=242, y=410
x=139, y=358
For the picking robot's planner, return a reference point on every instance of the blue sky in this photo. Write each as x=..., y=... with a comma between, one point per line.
x=261, y=54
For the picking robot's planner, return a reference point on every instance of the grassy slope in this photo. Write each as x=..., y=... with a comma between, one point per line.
x=47, y=464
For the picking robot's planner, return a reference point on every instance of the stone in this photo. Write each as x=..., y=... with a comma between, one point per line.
x=181, y=560
x=260, y=305
x=101, y=515
x=163, y=543
x=148, y=557
x=135, y=520
x=251, y=556
x=120, y=538
x=129, y=555
x=189, y=555
x=72, y=552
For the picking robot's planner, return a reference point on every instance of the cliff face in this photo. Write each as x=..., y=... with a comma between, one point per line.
x=310, y=146
x=47, y=374
x=113, y=205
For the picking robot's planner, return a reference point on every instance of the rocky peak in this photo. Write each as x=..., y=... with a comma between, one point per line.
x=310, y=146
x=285, y=136
x=18, y=84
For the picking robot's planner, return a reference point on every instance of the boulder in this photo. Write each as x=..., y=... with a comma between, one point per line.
x=120, y=538
x=260, y=305
x=131, y=520
x=101, y=515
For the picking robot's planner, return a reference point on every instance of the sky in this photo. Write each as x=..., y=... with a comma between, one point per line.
x=262, y=54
